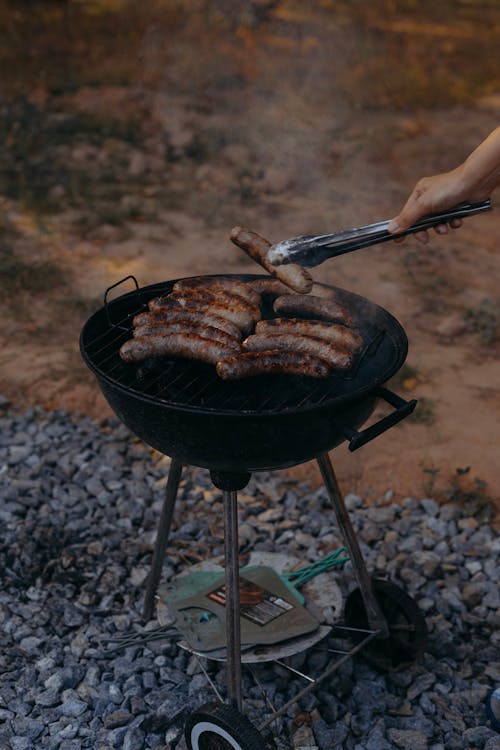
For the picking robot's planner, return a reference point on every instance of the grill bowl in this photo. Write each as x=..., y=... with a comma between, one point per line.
x=185, y=411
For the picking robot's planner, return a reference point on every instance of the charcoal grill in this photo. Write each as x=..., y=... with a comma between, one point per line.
x=185, y=411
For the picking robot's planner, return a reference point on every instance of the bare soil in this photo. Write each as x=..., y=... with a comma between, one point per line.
x=148, y=176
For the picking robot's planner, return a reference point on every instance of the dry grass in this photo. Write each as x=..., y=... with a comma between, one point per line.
x=425, y=412
x=484, y=320
x=65, y=46
x=17, y=276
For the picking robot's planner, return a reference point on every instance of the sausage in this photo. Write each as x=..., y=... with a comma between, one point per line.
x=143, y=318
x=192, y=316
x=200, y=328
x=201, y=303
x=233, y=286
x=311, y=306
x=221, y=297
x=333, y=354
x=292, y=275
x=186, y=345
x=331, y=332
x=165, y=302
x=271, y=363
x=270, y=287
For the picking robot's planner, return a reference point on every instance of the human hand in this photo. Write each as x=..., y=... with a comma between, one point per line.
x=431, y=194
x=474, y=180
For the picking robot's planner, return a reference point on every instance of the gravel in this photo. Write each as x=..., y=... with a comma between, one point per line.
x=80, y=505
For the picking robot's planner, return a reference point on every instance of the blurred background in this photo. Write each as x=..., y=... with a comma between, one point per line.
x=136, y=134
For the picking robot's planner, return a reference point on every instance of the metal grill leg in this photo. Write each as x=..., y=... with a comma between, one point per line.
x=167, y=511
x=376, y=619
x=233, y=635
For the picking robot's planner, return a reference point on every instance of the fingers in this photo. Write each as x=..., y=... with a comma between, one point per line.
x=441, y=229
x=411, y=212
x=422, y=237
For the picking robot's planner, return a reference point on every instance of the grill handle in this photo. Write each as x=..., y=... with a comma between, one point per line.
x=106, y=307
x=402, y=408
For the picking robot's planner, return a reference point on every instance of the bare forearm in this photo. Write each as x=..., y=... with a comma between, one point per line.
x=481, y=170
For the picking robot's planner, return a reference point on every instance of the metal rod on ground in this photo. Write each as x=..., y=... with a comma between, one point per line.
x=295, y=671
x=167, y=511
x=212, y=683
x=232, y=585
x=376, y=619
x=333, y=668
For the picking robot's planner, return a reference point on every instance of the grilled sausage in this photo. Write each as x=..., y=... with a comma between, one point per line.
x=331, y=332
x=271, y=362
x=269, y=287
x=233, y=286
x=201, y=329
x=221, y=297
x=201, y=303
x=292, y=275
x=312, y=307
x=192, y=316
x=333, y=354
x=185, y=345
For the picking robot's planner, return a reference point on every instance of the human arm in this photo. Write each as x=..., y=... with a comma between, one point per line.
x=474, y=180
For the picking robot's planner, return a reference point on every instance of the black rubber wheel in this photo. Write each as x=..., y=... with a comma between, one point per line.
x=407, y=629
x=216, y=726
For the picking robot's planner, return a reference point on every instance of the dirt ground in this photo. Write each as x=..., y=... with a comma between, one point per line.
x=290, y=122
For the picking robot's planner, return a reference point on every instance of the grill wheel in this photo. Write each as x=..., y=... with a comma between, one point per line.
x=216, y=726
x=407, y=629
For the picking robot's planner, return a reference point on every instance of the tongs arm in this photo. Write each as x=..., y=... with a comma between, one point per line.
x=312, y=250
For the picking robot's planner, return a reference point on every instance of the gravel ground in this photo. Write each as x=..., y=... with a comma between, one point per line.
x=79, y=509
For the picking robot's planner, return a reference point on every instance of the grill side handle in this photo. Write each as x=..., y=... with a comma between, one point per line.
x=402, y=409
x=106, y=303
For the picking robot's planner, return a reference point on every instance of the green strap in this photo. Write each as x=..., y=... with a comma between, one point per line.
x=301, y=576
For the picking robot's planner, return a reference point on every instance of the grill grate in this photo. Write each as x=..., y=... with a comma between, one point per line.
x=196, y=385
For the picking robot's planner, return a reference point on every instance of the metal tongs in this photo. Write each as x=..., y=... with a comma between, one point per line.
x=311, y=250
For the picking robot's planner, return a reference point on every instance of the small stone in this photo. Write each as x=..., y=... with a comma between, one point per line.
x=408, y=739
x=25, y=727
x=420, y=685
x=18, y=743
x=30, y=645
x=134, y=739
x=472, y=593
x=73, y=708
x=271, y=515
x=473, y=566
x=493, y=671
x=303, y=737
x=69, y=732
x=430, y=506
x=48, y=698
x=54, y=682
x=477, y=736
x=492, y=599
x=376, y=738
x=117, y=719
x=72, y=675
x=329, y=737
x=138, y=575
x=352, y=501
